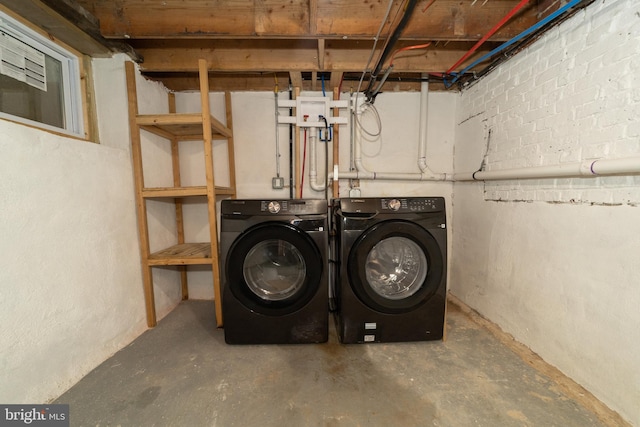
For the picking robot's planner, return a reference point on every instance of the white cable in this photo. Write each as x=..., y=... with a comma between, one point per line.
x=367, y=106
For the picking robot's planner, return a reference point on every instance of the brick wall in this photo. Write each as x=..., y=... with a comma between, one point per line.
x=574, y=95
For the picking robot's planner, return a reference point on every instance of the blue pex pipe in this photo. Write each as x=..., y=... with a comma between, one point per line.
x=517, y=38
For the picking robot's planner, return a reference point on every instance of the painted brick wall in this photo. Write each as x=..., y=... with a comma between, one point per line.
x=573, y=96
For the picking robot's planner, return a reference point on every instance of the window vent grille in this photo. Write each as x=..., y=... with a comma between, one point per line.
x=22, y=62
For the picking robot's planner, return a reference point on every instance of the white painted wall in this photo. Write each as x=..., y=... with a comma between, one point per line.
x=71, y=288
x=65, y=261
x=555, y=261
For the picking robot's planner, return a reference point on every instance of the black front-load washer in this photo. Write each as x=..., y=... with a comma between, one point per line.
x=390, y=283
x=273, y=267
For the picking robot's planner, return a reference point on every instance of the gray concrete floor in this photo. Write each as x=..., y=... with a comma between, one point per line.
x=181, y=373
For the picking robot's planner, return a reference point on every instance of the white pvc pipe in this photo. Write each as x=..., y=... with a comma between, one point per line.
x=313, y=162
x=422, y=141
x=588, y=168
x=425, y=173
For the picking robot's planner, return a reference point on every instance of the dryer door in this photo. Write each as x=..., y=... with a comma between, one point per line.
x=395, y=266
x=274, y=268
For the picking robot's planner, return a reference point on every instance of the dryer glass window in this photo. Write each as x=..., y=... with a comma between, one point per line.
x=396, y=268
x=274, y=270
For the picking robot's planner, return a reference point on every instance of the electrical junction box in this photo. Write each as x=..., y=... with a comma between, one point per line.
x=277, y=183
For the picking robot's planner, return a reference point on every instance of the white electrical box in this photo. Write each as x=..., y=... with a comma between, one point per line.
x=312, y=107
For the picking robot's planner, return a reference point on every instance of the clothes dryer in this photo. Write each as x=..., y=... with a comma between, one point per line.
x=273, y=268
x=390, y=283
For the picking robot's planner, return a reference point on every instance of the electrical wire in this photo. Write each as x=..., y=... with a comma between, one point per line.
x=428, y=6
x=373, y=49
x=364, y=71
x=367, y=106
x=525, y=33
x=489, y=34
x=390, y=42
x=514, y=49
x=418, y=46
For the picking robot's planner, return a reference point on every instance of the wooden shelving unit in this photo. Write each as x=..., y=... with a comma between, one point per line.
x=178, y=127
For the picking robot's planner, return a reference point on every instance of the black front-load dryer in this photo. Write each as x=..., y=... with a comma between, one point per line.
x=390, y=284
x=273, y=265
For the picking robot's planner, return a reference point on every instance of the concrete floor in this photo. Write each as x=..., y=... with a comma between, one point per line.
x=181, y=373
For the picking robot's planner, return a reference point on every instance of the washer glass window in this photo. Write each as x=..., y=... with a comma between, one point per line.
x=396, y=268
x=274, y=270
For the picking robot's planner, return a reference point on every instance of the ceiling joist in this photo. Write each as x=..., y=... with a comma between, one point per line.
x=247, y=41
x=337, y=19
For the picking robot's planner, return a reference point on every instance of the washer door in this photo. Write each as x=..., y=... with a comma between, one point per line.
x=274, y=268
x=395, y=266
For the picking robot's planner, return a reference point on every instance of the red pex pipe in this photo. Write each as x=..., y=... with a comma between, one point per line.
x=489, y=34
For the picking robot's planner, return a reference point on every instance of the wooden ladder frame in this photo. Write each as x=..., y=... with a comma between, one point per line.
x=177, y=127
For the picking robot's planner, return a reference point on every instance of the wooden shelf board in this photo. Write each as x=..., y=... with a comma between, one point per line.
x=174, y=192
x=182, y=254
x=225, y=191
x=180, y=125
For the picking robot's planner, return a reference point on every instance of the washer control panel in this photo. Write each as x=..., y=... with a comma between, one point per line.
x=412, y=204
x=390, y=205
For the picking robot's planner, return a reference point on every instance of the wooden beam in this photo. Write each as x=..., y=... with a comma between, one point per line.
x=222, y=82
x=69, y=22
x=229, y=55
x=328, y=19
x=296, y=79
x=321, y=54
x=57, y=26
x=246, y=56
x=336, y=79
x=313, y=16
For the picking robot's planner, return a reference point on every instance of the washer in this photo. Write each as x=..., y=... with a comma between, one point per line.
x=273, y=256
x=390, y=283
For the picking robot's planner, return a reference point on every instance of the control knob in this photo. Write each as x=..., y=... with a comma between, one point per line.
x=274, y=207
x=394, y=204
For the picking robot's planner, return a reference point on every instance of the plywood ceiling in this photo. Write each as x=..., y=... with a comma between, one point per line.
x=251, y=44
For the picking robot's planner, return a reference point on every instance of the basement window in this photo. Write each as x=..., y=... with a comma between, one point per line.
x=39, y=80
